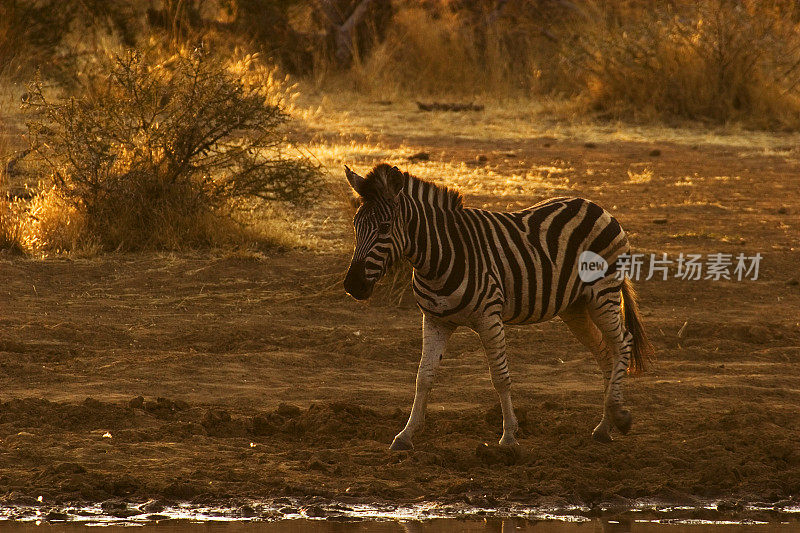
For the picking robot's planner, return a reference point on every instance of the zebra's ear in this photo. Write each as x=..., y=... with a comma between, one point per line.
x=356, y=182
x=395, y=180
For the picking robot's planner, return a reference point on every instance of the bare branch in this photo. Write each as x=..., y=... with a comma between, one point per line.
x=344, y=34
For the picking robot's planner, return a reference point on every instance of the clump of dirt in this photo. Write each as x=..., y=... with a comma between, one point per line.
x=219, y=423
x=327, y=420
x=162, y=408
x=91, y=414
x=495, y=454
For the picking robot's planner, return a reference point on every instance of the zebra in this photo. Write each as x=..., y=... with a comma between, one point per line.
x=484, y=269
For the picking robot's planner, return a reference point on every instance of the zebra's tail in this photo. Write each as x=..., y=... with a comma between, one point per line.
x=642, y=352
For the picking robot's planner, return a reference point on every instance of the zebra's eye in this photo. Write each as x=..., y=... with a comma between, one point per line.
x=384, y=227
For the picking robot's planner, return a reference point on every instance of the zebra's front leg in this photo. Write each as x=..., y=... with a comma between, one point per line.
x=493, y=338
x=434, y=340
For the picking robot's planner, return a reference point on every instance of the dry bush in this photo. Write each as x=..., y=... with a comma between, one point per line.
x=11, y=231
x=464, y=50
x=277, y=88
x=10, y=227
x=50, y=224
x=418, y=56
x=714, y=60
x=299, y=35
x=159, y=153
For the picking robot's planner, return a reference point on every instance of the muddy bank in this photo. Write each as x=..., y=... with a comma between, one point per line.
x=172, y=451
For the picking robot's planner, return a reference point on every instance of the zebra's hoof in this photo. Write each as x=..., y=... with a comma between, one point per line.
x=622, y=420
x=508, y=441
x=399, y=444
x=601, y=433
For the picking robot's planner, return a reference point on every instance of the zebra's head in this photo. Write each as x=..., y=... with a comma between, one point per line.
x=378, y=237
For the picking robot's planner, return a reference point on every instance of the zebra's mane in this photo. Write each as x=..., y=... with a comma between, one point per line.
x=419, y=189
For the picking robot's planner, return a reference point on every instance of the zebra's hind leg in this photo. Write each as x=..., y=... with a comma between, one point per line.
x=434, y=341
x=577, y=318
x=605, y=310
x=493, y=338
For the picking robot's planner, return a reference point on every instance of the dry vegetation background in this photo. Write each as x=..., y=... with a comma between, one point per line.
x=115, y=145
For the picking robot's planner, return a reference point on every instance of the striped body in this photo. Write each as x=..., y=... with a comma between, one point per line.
x=523, y=263
x=484, y=269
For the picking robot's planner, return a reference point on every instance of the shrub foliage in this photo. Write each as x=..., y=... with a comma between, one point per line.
x=153, y=152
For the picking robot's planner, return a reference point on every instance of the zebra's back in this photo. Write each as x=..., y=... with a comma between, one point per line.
x=533, y=254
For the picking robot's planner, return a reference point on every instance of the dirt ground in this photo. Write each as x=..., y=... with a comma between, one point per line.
x=210, y=376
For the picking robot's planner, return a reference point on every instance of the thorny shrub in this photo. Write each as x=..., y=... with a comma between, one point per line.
x=163, y=153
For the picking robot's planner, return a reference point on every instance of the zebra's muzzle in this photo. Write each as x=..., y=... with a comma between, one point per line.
x=356, y=283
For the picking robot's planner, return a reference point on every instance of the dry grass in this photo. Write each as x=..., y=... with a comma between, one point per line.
x=353, y=116
x=49, y=226
x=265, y=226
x=417, y=57
x=394, y=288
x=645, y=175
x=11, y=231
x=461, y=50
x=713, y=60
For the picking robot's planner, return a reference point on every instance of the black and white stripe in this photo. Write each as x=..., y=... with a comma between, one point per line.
x=483, y=269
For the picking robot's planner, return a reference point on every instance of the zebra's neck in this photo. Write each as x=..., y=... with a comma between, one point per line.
x=429, y=212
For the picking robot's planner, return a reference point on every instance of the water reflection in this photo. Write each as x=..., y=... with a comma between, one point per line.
x=430, y=526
